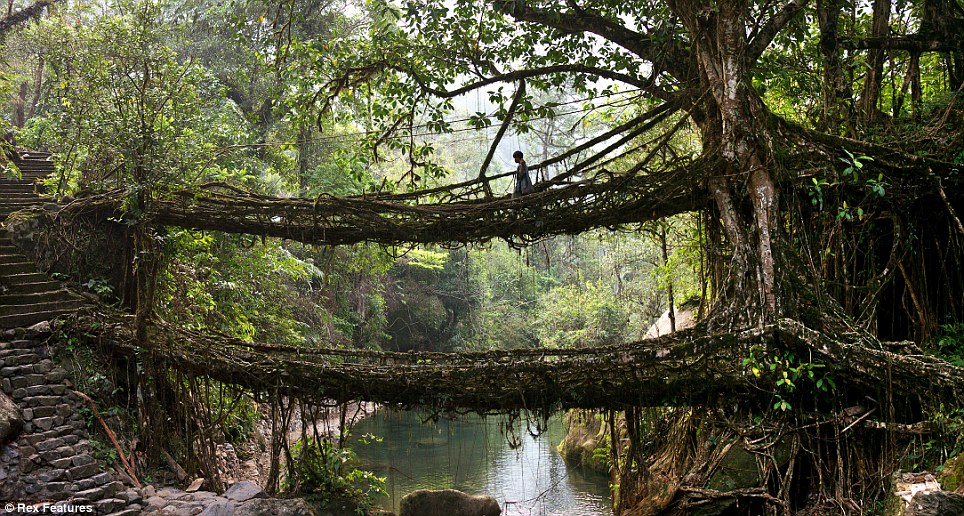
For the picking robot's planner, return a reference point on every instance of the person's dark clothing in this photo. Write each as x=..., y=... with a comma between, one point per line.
x=523, y=185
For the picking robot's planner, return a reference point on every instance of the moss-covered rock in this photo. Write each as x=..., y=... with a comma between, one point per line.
x=951, y=476
x=586, y=443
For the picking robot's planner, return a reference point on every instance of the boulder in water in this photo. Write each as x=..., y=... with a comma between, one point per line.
x=447, y=502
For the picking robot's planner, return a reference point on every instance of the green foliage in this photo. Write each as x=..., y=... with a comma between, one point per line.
x=126, y=111
x=235, y=285
x=426, y=259
x=788, y=374
x=576, y=316
x=945, y=441
x=959, y=158
x=854, y=164
x=685, y=254
x=104, y=452
x=233, y=410
x=327, y=472
x=950, y=343
x=100, y=286
x=873, y=189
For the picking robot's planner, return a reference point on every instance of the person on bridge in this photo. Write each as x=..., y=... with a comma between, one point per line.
x=523, y=185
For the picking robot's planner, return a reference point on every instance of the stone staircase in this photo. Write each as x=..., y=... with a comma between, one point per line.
x=26, y=295
x=52, y=460
x=51, y=465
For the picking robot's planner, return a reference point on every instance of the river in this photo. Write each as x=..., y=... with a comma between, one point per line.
x=472, y=454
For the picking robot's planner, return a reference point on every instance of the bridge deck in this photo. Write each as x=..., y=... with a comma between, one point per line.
x=686, y=368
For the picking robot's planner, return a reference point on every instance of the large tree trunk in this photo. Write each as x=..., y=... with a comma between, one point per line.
x=733, y=124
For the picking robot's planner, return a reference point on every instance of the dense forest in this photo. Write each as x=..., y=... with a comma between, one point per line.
x=742, y=163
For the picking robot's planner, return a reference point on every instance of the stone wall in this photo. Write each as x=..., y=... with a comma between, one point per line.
x=52, y=458
x=82, y=248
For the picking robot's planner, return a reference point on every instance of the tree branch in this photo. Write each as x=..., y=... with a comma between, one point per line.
x=519, y=95
x=660, y=112
x=762, y=39
x=912, y=43
x=645, y=85
x=24, y=15
x=667, y=55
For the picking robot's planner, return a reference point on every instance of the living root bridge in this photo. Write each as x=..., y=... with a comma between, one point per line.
x=684, y=368
x=451, y=214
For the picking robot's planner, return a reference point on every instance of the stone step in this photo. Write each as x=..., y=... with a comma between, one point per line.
x=19, y=204
x=32, y=153
x=29, y=175
x=28, y=193
x=16, y=268
x=13, y=280
x=5, y=212
x=18, y=186
x=29, y=319
x=20, y=207
x=40, y=285
x=12, y=207
x=32, y=168
x=23, y=298
x=23, y=180
x=20, y=197
x=35, y=162
x=12, y=258
x=7, y=191
x=46, y=306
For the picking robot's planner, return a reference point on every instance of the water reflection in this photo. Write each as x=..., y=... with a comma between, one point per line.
x=471, y=454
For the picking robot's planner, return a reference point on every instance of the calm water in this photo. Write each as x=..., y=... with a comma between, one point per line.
x=471, y=454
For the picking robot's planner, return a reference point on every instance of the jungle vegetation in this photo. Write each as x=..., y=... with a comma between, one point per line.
x=814, y=150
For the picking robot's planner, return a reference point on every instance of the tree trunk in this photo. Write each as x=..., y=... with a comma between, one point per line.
x=670, y=298
x=733, y=121
x=940, y=23
x=875, y=61
x=836, y=92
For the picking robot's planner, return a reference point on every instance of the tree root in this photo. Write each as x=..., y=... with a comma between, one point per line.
x=128, y=466
x=683, y=369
